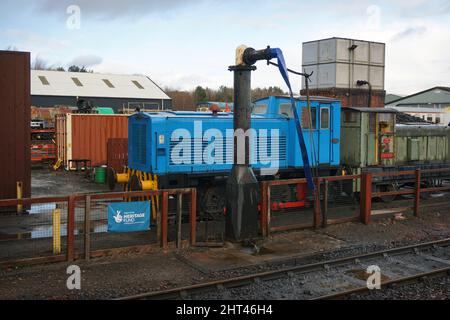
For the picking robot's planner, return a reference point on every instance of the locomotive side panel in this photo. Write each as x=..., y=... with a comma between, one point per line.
x=422, y=144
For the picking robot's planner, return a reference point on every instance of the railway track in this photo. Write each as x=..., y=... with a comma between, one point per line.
x=441, y=272
x=331, y=279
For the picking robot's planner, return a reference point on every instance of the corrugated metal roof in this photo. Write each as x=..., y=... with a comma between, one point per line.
x=432, y=95
x=365, y=109
x=417, y=109
x=75, y=84
x=391, y=97
x=301, y=98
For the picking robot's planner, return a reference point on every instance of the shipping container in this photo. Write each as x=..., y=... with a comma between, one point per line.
x=15, y=126
x=85, y=136
x=340, y=63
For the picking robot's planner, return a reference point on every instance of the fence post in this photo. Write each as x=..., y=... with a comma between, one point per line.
x=158, y=222
x=87, y=228
x=366, y=197
x=417, y=193
x=70, y=229
x=264, y=209
x=19, y=191
x=362, y=194
x=325, y=204
x=193, y=217
x=165, y=209
x=317, y=204
x=179, y=218
x=56, y=231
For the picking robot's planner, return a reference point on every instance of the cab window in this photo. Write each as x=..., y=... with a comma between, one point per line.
x=350, y=117
x=260, y=109
x=325, y=118
x=308, y=118
x=286, y=109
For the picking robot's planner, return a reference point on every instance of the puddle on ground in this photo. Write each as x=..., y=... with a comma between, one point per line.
x=42, y=208
x=262, y=251
x=255, y=251
x=361, y=274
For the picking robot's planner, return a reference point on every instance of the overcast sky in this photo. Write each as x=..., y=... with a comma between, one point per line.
x=181, y=44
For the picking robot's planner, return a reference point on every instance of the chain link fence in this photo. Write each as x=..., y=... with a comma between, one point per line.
x=40, y=230
x=69, y=228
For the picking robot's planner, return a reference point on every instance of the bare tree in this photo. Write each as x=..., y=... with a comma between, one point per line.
x=181, y=100
x=11, y=48
x=40, y=64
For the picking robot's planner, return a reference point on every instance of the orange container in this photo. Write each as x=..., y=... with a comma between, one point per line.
x=85, y=136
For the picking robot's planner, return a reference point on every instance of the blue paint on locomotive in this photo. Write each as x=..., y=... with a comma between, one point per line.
x=185, y=142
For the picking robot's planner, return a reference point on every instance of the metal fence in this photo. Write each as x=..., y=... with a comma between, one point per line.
x=412, y=190
x=42, y=232
x=340, y=200
x=289, y=205
x=286, y=205
x=75, y=227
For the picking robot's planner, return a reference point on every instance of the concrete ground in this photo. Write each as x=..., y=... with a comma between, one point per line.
x=48, y=183
x=131, y=274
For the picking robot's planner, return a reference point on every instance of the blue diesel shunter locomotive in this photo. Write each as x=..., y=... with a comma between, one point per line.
x=195, y=149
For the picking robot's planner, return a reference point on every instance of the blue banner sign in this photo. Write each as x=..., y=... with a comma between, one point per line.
x=129, y=216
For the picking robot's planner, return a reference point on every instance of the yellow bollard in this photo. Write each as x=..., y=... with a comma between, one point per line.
x=57, y=231
x=19, y=195
x=57, y=165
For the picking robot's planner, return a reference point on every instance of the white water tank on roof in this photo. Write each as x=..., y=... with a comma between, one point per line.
x=340, y=63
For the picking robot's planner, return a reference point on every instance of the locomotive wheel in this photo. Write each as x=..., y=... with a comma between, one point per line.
x=135, y=183
x=111, y=178
x=213, y=202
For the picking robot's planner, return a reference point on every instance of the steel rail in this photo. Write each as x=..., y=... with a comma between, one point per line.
x=404, y=280
x=182, y=292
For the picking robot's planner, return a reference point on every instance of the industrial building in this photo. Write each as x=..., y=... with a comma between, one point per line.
x=432, y=105
x=53, y=88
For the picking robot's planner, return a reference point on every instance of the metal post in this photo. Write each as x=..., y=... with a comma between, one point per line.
x=362, y=197
x=242, y=186
x=264, y=209
x=165, y=209
x=70, y=229
x=269, y=209
x=417, y=193
x=179, y=218
x=325, y=205
x=317, y=204
x=158, y=223
x=193, y=217
x=87, y=228
x=56, y=231
x=19, y=190
x=366, y=197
